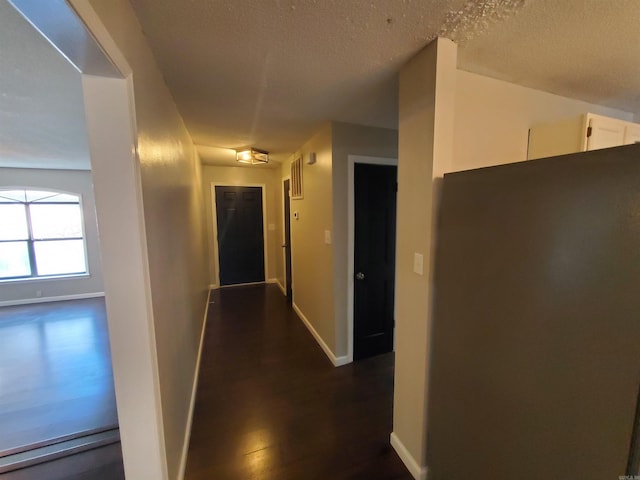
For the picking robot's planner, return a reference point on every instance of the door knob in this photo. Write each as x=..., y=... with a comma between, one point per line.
x=359, y=276
x=284, y=245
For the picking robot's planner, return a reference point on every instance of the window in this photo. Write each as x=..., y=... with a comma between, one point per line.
x=41, y=234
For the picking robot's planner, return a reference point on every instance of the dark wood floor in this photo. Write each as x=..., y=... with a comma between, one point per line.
x=271, y=406
x=55, y=372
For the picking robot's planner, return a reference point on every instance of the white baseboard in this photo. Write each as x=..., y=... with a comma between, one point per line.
x=337, y=361
x=194, y=389
x=60, y=298
x=284, y=292
x=416, y=471
x=248, y=284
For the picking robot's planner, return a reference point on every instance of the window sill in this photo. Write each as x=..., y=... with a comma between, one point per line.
x=45, y=279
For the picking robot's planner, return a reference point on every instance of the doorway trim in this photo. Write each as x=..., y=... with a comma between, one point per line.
x=284, y=256
x=214, y=219
x=351, y=161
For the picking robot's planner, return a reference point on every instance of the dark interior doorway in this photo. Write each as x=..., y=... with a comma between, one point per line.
x=374, y=258
x=287, y=239
x=240, y=234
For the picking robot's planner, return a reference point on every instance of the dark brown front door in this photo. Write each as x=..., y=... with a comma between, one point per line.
x=374, y=265
x=240, y=234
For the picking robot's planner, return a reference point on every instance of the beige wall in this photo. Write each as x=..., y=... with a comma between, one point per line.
x=248, y=176
x=170, y=177
x=425, y=150
x=312, y=258
x=492, y=119
x=74, y=181
x=349, y=139
x=320, y=270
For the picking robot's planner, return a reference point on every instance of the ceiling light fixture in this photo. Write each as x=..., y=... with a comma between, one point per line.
x=252, y=156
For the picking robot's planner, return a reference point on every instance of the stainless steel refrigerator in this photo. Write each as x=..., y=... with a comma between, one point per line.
x=535, y=368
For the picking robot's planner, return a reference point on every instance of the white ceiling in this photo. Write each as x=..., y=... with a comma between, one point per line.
x=267, y=73
x=42, y=121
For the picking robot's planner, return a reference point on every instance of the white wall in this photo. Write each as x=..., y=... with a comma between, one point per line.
x=170, y=179
x=493, y=117
x=270, y=178
x=73, y=181
x=126, y=275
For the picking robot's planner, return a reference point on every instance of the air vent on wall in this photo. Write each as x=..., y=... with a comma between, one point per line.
x=296, y=179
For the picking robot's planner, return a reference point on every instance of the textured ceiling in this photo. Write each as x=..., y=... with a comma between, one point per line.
x=267, y=72
x=586, y=49
x=41, y=109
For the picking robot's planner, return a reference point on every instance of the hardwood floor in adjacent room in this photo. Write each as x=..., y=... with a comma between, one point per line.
x=55, y=377
x=271, y=406
x=104, y=463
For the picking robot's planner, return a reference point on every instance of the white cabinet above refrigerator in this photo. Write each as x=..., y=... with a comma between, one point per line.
x=579, y=134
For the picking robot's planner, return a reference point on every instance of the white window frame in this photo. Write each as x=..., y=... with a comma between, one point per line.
x=31, y=240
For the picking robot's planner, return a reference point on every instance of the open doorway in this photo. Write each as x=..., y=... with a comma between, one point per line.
x=108, y=109
x=57, y=393
x=372, y=189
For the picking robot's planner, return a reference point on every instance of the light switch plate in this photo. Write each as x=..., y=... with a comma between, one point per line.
x=418, y=263
x=327, y=237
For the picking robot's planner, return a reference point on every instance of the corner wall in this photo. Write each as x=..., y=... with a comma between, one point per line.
x=427, y=84
x=454, y=120
x=320, y=270
x=311, y=258
x=75, y=181
x=270, y=178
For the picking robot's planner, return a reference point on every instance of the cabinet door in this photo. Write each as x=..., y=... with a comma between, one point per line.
x=632, y=134
x=605, y=133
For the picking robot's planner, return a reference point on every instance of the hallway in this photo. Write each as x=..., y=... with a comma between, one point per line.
x=271, y=406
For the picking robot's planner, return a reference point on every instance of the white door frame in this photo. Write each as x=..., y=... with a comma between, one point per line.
x=351, y=161
x=214, y=217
